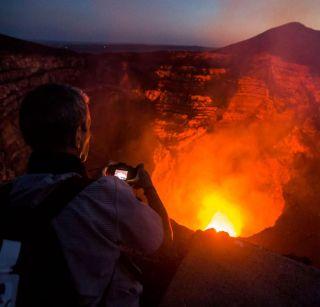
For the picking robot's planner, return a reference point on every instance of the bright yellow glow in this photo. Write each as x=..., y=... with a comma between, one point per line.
x=220, y=222
x=220, y=214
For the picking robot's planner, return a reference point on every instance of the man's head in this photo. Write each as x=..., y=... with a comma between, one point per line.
x=55, y=117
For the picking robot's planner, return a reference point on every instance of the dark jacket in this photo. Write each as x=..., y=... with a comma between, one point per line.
x=70, y=253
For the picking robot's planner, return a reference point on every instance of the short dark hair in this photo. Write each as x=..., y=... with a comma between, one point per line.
x=51, y=114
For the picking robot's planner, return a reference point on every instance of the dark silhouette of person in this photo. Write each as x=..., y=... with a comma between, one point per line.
x=71, y=256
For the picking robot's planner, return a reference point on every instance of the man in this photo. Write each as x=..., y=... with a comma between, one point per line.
x=72, y=253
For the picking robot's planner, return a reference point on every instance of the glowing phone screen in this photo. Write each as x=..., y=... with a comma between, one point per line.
x=121, y=174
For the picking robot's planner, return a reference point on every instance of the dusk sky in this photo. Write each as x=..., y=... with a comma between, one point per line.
x=184, y=22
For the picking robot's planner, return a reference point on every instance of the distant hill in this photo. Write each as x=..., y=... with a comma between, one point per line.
x=98, y=48
x=293, y=42
x=13, y=45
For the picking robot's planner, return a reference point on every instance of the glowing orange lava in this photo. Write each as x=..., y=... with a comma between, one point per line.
x=220, y=222
x=220, y=214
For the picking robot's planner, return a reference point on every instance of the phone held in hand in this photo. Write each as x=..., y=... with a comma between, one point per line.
x=123, y=171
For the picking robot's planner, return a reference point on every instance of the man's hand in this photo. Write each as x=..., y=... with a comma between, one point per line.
x=105, y=171
x=142, y=180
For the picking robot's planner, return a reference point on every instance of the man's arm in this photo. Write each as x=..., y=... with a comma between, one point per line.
x=144, y=181
x=155, y=203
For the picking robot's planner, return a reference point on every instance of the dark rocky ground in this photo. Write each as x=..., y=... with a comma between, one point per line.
x=223, y=271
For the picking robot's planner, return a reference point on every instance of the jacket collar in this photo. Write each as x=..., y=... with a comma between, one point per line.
x=55, y=163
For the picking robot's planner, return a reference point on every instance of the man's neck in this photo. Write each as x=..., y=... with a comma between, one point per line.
x=59, y=162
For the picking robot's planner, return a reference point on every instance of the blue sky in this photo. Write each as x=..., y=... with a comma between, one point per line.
x=189, y=22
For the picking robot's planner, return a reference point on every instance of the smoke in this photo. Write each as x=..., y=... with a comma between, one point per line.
x=119, y=130
x=203, y=22
x=234, y=21
x=240, y=167
x=238, y=170
x=302, y=191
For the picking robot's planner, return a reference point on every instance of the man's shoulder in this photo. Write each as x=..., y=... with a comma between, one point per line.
x=105, y=180
x=113, y=182
x=100, y=189
x=103, y=183
x=34, y=188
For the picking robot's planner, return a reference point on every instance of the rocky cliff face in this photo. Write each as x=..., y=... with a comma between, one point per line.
x=221, y=130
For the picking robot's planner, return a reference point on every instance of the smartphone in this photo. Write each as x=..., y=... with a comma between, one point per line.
x=122, y=171
x=121, y=174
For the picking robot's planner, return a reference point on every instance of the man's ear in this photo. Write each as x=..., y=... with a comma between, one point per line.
x=79, y=138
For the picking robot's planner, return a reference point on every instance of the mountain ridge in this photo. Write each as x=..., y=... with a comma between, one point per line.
x=9, y=44
x=293, y=42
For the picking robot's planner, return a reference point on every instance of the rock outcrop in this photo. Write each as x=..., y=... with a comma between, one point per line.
x=223, y=271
